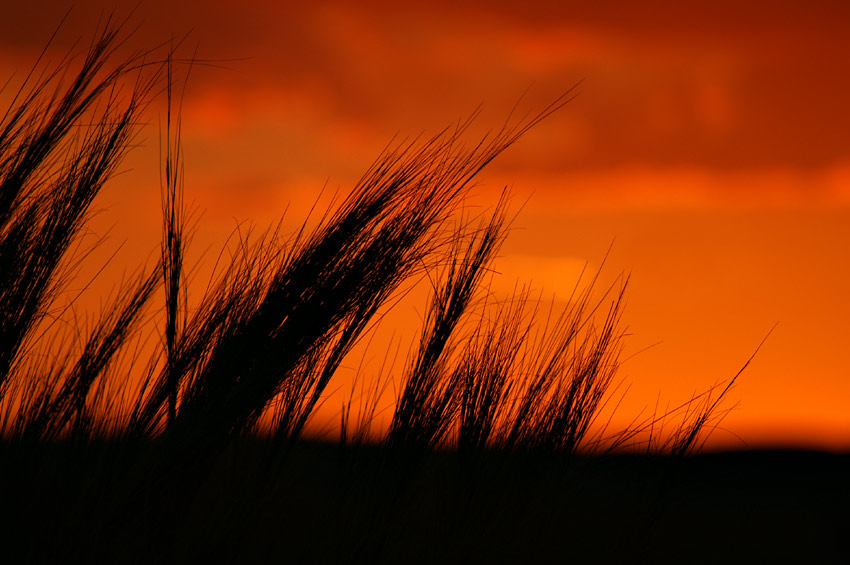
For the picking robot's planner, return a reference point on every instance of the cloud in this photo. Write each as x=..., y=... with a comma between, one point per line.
x=725, y=87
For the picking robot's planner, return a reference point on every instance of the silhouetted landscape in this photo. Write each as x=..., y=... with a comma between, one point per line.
x=192, y=446
x=328, y=504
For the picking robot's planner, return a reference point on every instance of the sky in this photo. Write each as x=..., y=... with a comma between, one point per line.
x=707, y=147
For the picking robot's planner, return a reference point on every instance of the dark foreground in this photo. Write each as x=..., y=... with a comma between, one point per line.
x=121, y=504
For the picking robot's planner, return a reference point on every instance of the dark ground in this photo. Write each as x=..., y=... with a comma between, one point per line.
x=120, y=503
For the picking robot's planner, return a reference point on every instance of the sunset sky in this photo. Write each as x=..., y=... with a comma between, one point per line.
x=711, y=146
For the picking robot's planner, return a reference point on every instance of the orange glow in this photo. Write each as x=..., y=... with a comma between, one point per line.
x=711, y=148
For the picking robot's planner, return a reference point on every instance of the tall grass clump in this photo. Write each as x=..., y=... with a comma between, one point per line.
x=273, y=326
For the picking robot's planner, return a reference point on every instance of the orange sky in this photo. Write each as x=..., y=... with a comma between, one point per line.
x=712, y=146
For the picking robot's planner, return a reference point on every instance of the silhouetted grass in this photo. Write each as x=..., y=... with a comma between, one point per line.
x=429, y=401
x=243, y=371
x=173, y=245
x=60, y=144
